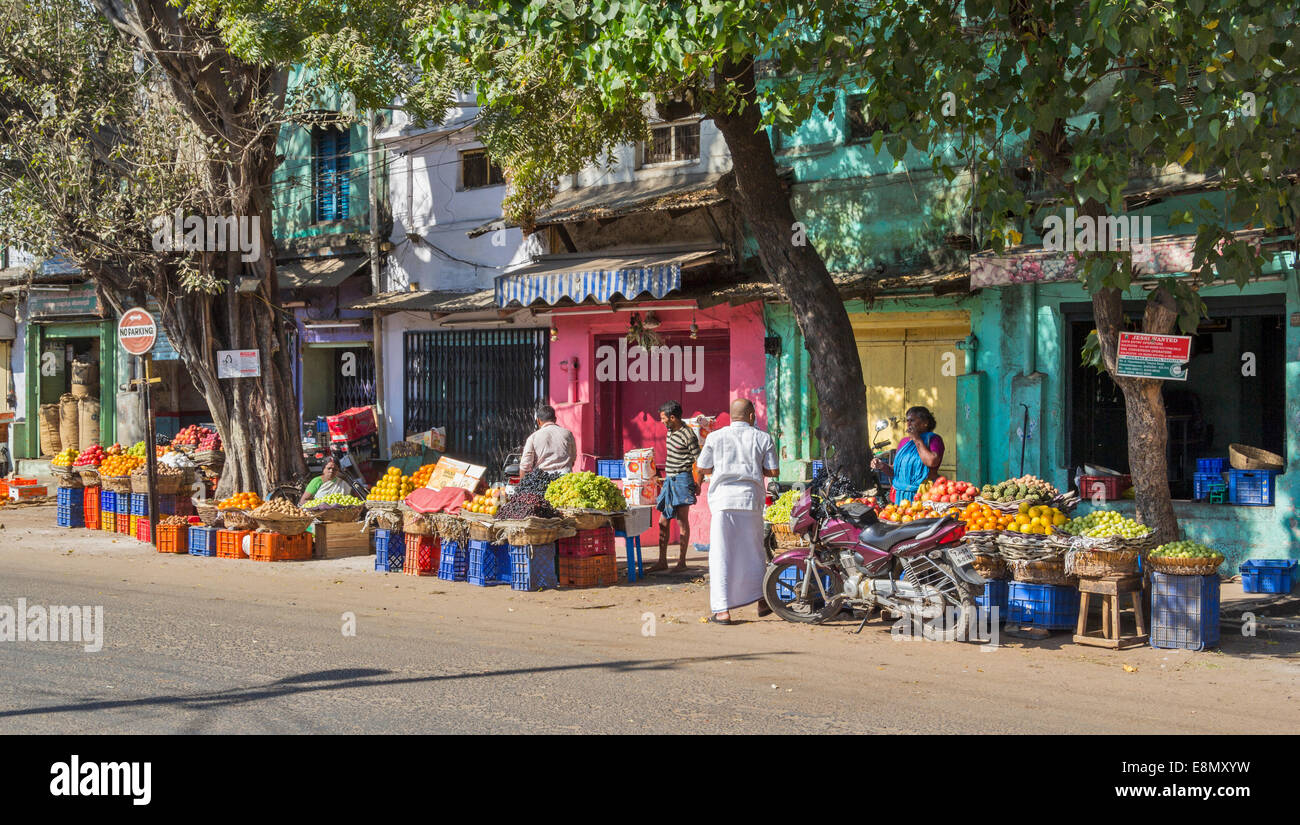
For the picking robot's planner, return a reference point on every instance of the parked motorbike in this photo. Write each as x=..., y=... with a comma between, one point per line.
x=850, y=561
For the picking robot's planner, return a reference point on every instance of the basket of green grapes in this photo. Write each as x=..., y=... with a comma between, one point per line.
x=1185, y=558
x=335, y=507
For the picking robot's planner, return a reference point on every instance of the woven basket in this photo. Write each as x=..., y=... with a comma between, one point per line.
x=1142, y=544
x=66, y=479
x=383, y=515
x=209, y=458
x=588, y=519
x=1021, y=546
x=167, y=484
x=1042, y=571
x=89, y=478
x=983, y=542
x=480, y=530
x=451, y=528
x=990, y=567
x=116, y=484
x=336, y=513
x=417, y=524
x=237, y=520
x=1100, y=563
x=288, y=526
x=1246, y=457
x=535, y=531
x=1184, y=567
x=207, y=513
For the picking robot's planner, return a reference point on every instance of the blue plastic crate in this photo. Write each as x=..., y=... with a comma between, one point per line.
x=790, y=579
x=609, y=467
x=488, y=563
x=390, y=551
x=203, y=541
x=67, y=496
x=1184, y=611
x=1251, y=487
x=1205, y=483
x=71, y=515
x=139, y=504
x=108, y=501
x=817, y=466
x=453, y=562
x=532, y=567
x=1211, y=465
x=995, y=595
x=167, y=504
x=1268, y=575
x=1050, y=606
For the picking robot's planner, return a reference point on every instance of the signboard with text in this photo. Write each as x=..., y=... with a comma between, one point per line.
x=137, y=331
x=56, y=303
x=239, y=363
x=1163, y=357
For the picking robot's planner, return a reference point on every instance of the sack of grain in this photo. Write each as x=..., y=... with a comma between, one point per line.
x=51, y=444
x=68, y=424
x=88, y=422
x=85, y=378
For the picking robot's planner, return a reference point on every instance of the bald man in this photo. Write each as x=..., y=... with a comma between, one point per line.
x=738, y=459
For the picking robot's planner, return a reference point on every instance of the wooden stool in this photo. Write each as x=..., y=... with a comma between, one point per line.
x=1112, y=590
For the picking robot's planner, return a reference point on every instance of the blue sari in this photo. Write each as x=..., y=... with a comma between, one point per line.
x=909, y=471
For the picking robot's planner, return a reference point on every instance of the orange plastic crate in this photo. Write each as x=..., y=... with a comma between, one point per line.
x=279, y=547
x=230, y=544
x=90, y=507
x=422, y=555
x=173, y=538
x=124, y=524
x=587, y=571
x=107, y=522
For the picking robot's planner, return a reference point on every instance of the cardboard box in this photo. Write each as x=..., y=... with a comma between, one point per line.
x=449, y=472
x=701, y=425
x=336, y=540
x=640, y=493
x=18, y=493
x=435, y=439
x=639, y=465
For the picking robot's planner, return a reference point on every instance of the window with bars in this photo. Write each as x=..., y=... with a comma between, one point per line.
x=477, y=170
x=672, y=142
x=332, y=164
x=862, y=126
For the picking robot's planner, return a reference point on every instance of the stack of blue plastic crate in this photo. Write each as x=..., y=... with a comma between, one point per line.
x=453, y=561
x=1184, y=611
x=533, y=567
x=390, y=551
x=488, y=563
x=1049, y=606
x=609, y=467
x=71, y=508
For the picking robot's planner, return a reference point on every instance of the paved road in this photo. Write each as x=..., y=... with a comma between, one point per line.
x=216, y=646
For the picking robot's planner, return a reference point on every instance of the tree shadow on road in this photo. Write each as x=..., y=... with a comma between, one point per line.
x=360, y=678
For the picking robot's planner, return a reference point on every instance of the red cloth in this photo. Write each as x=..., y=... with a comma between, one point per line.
x=446, y=500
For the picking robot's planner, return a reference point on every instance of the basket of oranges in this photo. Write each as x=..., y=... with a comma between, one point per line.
x=234, y=510
x=391, y=488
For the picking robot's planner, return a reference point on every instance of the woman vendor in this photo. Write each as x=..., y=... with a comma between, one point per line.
x=327, y=483
x=918, y=455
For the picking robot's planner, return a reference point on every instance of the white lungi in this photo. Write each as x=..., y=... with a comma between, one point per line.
x=737, y=560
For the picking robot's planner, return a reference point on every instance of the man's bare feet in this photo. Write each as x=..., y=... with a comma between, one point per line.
x=680, y=567
x=657, y=567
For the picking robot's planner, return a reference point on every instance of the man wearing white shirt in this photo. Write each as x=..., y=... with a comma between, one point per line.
x=738, y=459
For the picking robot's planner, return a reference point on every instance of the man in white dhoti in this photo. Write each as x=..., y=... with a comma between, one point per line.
x=738, y=458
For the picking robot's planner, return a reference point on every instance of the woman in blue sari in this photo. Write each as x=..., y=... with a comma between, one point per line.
x=918, y=456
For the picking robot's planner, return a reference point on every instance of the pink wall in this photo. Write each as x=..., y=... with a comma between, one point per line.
x=577, y=335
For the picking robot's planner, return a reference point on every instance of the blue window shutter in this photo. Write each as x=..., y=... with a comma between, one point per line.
x=343, y=150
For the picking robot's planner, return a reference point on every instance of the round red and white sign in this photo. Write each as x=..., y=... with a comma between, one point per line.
x=137, y=331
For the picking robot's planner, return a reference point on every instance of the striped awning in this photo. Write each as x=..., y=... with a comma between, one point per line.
x=580, y=278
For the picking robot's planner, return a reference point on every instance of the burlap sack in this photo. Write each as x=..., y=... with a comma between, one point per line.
x=51, y=444
x=85, y=378
x=87, y=423
x=68, y=420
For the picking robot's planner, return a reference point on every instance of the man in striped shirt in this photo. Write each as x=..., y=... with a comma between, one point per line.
x=680, y=487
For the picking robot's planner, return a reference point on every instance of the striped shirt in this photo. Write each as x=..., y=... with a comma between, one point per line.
x=682, y=451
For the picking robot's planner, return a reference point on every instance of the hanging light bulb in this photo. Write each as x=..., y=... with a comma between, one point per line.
x=695, y=328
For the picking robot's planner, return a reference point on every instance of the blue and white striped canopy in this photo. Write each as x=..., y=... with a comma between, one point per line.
x=600, y=283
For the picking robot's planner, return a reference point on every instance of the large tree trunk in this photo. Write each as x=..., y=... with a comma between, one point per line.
x=798, y=269
x=1144, y=406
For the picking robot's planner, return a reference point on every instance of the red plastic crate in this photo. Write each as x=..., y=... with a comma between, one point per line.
x=587, y=571
x=598, y=542
x=1111, y=487
x=422, y=554
x=123, y=524
x=90, y=506
x=278, y=547
x=230, y=544
x=352, y=424
x=173, y=538
x=142, y=529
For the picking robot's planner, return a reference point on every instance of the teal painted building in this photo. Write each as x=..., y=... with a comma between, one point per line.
x=1000, y=364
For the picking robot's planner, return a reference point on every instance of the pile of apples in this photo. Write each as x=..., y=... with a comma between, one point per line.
x=487, y=503
x=906, y=511
x=946, y=490
x=210, y=440
x=193, y=436
x=92, y=457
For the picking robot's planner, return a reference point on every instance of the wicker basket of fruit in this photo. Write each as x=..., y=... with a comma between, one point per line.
x=235, y=509
x=1024, y=546
x=418, y=524
x=451, y=528
x=1049, y=570
x=1184, y=558
x=1100, y=563
x=207, y=512
x=336, y=507
x=281, y=516
x=990, y=567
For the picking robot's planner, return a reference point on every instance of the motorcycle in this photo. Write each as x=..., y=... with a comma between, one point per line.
x=850, y=561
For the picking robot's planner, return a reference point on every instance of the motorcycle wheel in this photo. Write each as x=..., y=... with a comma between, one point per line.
x=965, y=613
x=784, y=599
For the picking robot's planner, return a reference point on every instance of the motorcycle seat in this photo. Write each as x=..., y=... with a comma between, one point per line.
x=884, y=536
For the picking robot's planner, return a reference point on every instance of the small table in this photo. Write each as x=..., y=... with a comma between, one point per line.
x=1112, y=590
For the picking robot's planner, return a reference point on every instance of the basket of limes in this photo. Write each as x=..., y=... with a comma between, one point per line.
x=1185, y=558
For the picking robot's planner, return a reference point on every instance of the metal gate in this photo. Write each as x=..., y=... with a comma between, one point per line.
x=482, y=385
x=354, y=377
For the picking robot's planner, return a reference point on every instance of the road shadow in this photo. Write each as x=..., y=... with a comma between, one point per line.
x=360, y=678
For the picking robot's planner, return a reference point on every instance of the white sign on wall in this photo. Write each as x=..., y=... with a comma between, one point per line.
x=239, y=363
